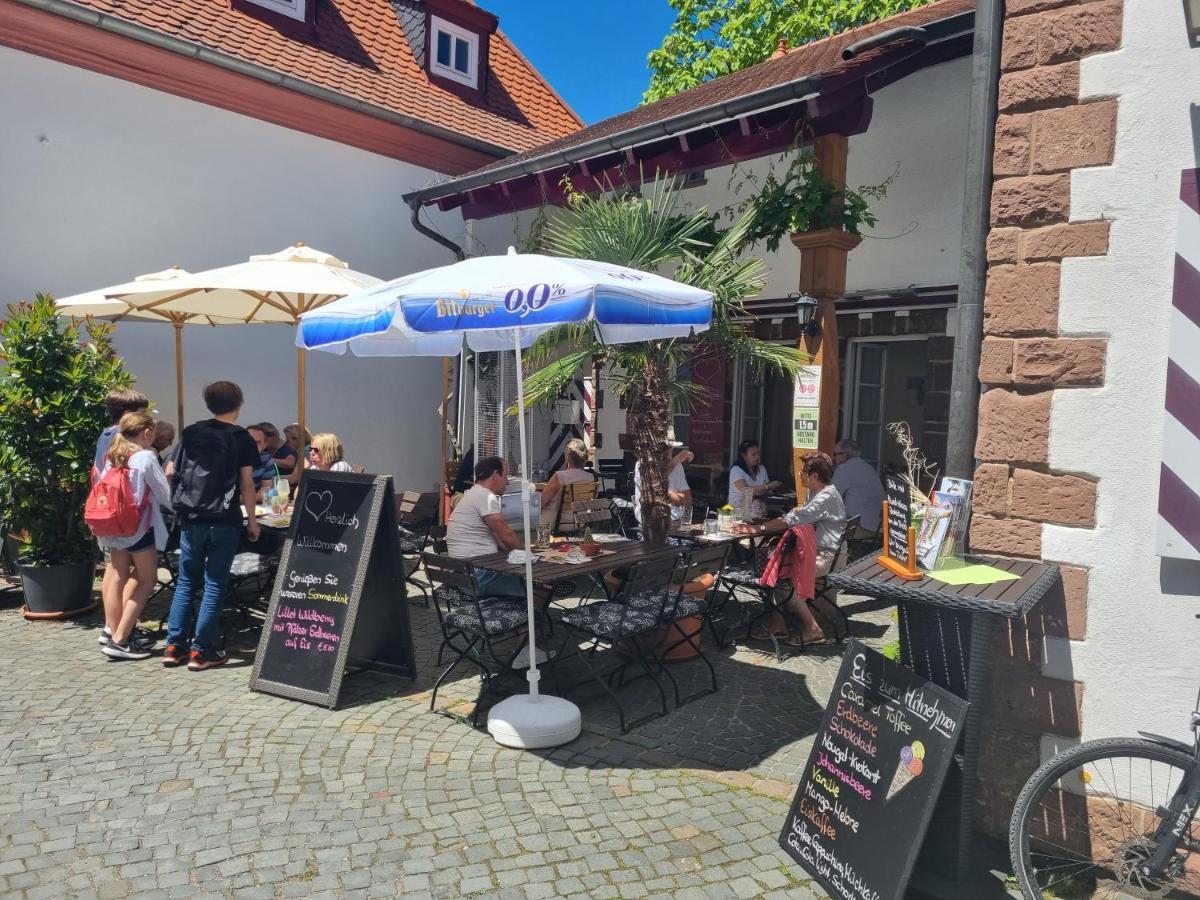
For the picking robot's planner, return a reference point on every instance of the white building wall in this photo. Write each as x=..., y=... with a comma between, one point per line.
x=102, y=180
x=1142, y=651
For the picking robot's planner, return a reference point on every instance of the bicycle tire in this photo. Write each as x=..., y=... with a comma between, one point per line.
x=1049, y=774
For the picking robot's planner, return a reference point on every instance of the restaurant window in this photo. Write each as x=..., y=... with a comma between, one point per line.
x=454, y=52
x=293, y=9
x=681, y=420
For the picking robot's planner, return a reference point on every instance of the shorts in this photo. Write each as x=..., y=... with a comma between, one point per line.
x=145, y=542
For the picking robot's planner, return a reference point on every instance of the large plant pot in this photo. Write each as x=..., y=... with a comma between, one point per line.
x=57, y=592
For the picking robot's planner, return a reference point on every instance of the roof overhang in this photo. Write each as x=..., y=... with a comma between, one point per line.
x=753, y=125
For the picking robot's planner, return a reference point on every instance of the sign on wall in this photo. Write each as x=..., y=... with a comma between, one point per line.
x=1179, y=473
x=806, y=402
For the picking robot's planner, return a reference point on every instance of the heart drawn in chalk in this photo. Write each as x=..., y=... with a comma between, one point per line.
x=317, y=503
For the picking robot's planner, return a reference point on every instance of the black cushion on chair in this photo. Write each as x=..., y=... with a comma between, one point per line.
x=676, y=607
x=500, y=614
x=611, y=620
x=742, y=575
x=409, y=542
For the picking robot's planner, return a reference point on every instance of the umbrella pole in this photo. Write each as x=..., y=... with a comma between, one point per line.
x=532, y=674
x=179, y=423
x=300, y=379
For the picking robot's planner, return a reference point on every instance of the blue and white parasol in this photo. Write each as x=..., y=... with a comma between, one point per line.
x=495, y=303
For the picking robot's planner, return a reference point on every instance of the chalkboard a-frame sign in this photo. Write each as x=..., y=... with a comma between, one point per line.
x=339, y=598
x=876, y=769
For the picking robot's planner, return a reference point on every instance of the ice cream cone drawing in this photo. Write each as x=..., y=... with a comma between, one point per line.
x=912, y=764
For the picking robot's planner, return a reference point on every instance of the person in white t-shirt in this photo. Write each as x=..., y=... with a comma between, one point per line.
x=749, y=477
x=679, y=492
x=860, y=487
x=477, y=527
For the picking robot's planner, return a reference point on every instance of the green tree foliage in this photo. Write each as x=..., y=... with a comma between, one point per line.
x=52, y=392
x=711, y=38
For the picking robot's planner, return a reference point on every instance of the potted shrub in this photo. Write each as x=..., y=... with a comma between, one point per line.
x=589, y=546
x=52, y=390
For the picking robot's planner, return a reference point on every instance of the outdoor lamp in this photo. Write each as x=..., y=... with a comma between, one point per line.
x=1191, y=12
x=806, y=313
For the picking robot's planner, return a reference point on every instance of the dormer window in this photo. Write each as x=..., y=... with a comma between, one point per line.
x=454, y=52
x=293, y=9
x=295, y=18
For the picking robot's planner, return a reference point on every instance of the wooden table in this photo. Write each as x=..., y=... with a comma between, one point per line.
x=945, y=636
x=625, y=553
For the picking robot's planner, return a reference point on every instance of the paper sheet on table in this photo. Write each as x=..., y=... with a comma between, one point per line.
x=954, y=572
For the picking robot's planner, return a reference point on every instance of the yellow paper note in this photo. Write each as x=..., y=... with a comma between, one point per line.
x=972, y=574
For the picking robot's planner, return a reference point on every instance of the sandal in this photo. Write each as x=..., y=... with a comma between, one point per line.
x=796, y=639
x=759, y=633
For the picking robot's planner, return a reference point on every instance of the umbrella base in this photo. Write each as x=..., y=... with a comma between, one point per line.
x=530, y=723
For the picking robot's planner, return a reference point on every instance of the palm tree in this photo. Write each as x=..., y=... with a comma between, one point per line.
x=647, y=231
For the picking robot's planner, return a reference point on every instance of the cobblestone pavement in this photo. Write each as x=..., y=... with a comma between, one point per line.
x=125, y=778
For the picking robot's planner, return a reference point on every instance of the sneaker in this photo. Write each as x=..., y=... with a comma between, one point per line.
x=128, y=650
x=174, y=655
x=105, y=634
x=198, y=661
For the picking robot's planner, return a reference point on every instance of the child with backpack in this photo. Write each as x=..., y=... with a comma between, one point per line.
x=123, y=512
x=213, y=470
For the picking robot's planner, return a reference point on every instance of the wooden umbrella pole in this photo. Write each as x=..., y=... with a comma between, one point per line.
x=179, y=423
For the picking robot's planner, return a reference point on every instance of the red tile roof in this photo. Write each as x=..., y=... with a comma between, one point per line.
x=360, y=50
x=823, y=57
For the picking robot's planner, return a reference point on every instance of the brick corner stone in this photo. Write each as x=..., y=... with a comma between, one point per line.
x=991, y=488
x=1040, y=87
x=1031, y=200
x=1013, y=427
x=1003, y=245
x=1073, y=137
x=1021, y=300
x=1060, y=362
x=1056, y=242
x=1006, y=537
x=1058, y=499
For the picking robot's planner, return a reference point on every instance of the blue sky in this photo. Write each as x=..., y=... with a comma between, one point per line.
x=593, y=52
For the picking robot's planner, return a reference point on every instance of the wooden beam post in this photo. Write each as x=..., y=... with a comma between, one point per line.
x=823, y=259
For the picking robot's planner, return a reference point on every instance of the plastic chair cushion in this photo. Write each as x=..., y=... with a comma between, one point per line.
x=611, y=620
x=500, y=615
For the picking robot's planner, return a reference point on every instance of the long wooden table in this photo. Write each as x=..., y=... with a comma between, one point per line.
x=625, y=553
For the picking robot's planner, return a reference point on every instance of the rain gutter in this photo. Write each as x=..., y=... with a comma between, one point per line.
x=231, y=63
x=972, y=279
x=714, y=114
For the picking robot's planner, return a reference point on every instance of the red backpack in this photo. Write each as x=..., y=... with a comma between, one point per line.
x=110, y=510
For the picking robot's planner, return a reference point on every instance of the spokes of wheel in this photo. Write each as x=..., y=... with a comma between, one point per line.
x=1087, y=821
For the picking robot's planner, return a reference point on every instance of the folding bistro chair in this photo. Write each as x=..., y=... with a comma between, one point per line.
x=564, y=520
x=472, y=625
x=607, y=623
x=417, y=514
x=745, y=578
x=682, y=607
x=827, y=593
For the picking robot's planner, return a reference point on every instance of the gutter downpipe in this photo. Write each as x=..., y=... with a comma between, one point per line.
x=422, y=228
x=972, y=279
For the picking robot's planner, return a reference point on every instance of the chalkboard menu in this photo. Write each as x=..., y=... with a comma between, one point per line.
x=339, y=598
x=869, y=789
x=899, y=513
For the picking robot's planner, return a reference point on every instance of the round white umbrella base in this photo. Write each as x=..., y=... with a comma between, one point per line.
x=530, y=723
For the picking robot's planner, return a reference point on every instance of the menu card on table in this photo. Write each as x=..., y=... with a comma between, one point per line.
x=339, y=594
x=876, y=768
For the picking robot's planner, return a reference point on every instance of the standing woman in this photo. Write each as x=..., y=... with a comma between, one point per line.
x=749, y=477
x=135, y=557
x=326, y=454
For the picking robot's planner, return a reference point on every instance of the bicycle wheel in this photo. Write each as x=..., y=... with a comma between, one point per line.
x=1087, y=817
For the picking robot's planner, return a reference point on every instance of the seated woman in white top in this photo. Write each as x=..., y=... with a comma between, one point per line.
x=326, y=454
x=135, y=556
x=572, y=472
x=826, y=513
x=749, y=477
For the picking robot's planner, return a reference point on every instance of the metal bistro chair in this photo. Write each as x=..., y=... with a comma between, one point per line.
x=572, y=494
x=472, y=625
x=681, y=606
x=745, y=578
x=607, y=623
x=417, y=514
x=827, y=593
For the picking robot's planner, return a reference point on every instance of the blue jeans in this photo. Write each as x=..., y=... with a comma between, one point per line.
x=499, y=584
x=205, y=556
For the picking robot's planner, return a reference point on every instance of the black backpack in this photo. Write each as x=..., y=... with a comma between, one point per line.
x=205, y=481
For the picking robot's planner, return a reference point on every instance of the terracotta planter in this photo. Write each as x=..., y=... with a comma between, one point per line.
x=57, y=592
x=592, y=549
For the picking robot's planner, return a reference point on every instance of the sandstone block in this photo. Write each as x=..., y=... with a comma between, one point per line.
x=1021, y=300
x=1039, y=87
x=1024, y=7
x=1014, y=143
x=1063, y=611
x=1013, y=428
x=1003, y=245
x=1059, y=361
x=1059, y=499
x=1075, y=136
x=1019, y=48
x=1006, y=537
x=1060, y=241
x=991, y=489
x=1031, y=200
x=996, y=361
x=1077, y=31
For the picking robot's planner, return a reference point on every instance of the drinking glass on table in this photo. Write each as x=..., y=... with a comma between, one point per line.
x=543, y=535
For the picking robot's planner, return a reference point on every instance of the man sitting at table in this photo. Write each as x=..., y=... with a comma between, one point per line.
x=860, y=487
x=477, y=527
